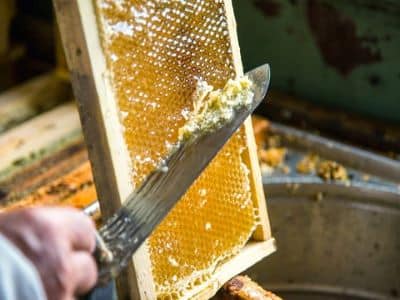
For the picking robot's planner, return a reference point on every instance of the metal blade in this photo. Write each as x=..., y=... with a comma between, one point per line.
x=148, y=206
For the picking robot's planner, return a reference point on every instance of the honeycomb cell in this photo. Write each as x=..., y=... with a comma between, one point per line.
x=157, y=51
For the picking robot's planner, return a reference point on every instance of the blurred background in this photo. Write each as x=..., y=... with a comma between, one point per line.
x=328, y=135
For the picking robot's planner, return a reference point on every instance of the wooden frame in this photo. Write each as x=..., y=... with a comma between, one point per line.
x=38, y=133
x=262, y=232
x=108, y=153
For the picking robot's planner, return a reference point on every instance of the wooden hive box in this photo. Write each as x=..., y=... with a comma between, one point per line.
x=134, y=65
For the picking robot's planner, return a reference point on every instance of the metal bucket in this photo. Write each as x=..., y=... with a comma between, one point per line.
x=345, y=246
x=335, y=240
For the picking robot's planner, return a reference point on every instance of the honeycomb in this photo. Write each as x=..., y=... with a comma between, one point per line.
x=157, y=51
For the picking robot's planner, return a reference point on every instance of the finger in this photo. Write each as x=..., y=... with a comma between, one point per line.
x=82, y=234
x=79, y=228
x=85, y=272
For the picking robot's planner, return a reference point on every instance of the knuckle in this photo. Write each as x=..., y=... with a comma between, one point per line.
x=53, y=238
x=30, y=215
x=38, y=219
x=64, y=274
x=87, y=222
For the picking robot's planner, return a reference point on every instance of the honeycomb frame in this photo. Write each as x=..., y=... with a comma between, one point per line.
x=108, y=154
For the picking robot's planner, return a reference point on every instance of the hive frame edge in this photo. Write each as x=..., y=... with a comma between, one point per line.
x=263, y=230
x=249, y=255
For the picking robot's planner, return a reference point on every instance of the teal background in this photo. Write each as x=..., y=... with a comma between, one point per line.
x=279, y=32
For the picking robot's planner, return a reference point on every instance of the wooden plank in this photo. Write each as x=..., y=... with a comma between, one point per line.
x=41, y=172
x=77, y=23
x=75, y=188
x=61, y=62
x=26, y=100
x=37, y=138
x=252, y=253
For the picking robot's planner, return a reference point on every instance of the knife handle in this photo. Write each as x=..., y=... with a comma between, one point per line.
x=102, y=256
x=101, y=253
x=101, y=293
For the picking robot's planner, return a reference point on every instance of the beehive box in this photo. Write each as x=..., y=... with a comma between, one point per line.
x=134, y=66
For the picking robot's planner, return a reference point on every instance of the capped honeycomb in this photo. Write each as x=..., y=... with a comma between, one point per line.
x=157, y=51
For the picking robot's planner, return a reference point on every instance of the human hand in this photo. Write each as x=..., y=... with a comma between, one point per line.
x=59, y=242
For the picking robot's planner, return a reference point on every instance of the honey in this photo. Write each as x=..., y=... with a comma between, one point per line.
x=157, y=52
x=214, y=108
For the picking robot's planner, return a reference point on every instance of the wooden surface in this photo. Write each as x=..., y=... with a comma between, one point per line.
x=28, y=99
x=77, y=23
x=43, y=157
x=37, y=137
x=35, y=174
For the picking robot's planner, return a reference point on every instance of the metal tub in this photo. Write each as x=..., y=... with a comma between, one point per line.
x=336, y=240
